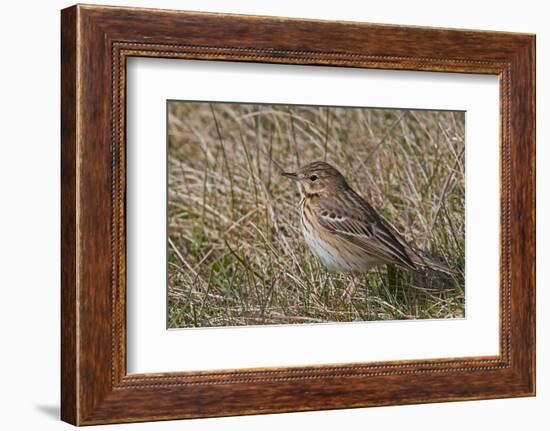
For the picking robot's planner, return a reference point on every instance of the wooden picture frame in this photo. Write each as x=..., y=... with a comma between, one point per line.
x=95, y=43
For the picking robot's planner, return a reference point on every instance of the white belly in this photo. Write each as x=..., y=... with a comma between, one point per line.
x=332, y=259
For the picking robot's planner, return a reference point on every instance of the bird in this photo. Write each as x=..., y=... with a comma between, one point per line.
x=345, y=232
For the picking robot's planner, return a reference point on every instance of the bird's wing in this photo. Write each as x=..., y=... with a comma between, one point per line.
x=419, y=257
x=354, y=220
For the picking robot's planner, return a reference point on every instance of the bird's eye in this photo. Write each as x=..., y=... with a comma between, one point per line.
x=313, y=178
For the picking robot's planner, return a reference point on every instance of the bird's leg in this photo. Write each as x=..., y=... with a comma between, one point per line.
x=350, y=289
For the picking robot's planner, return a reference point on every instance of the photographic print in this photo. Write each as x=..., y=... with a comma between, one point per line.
x=289, y=214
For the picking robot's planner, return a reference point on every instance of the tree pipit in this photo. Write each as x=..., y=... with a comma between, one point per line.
x=345, y=232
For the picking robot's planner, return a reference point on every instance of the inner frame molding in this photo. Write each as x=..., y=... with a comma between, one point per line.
x=121, y=52
x=96, y=42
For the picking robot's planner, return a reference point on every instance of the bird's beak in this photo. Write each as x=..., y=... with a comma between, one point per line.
x=291, y=175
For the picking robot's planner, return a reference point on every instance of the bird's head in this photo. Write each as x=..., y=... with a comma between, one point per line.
x=318, y=178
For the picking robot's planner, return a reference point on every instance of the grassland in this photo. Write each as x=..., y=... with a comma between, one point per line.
x=235, y=250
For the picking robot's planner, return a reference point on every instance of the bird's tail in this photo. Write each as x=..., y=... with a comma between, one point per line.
x=420, y=258
x=426, y=262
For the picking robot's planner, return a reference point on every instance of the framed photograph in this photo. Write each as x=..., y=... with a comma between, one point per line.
x=264, y=215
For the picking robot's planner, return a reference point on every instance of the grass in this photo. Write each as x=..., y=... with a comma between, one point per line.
x=236, y=255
